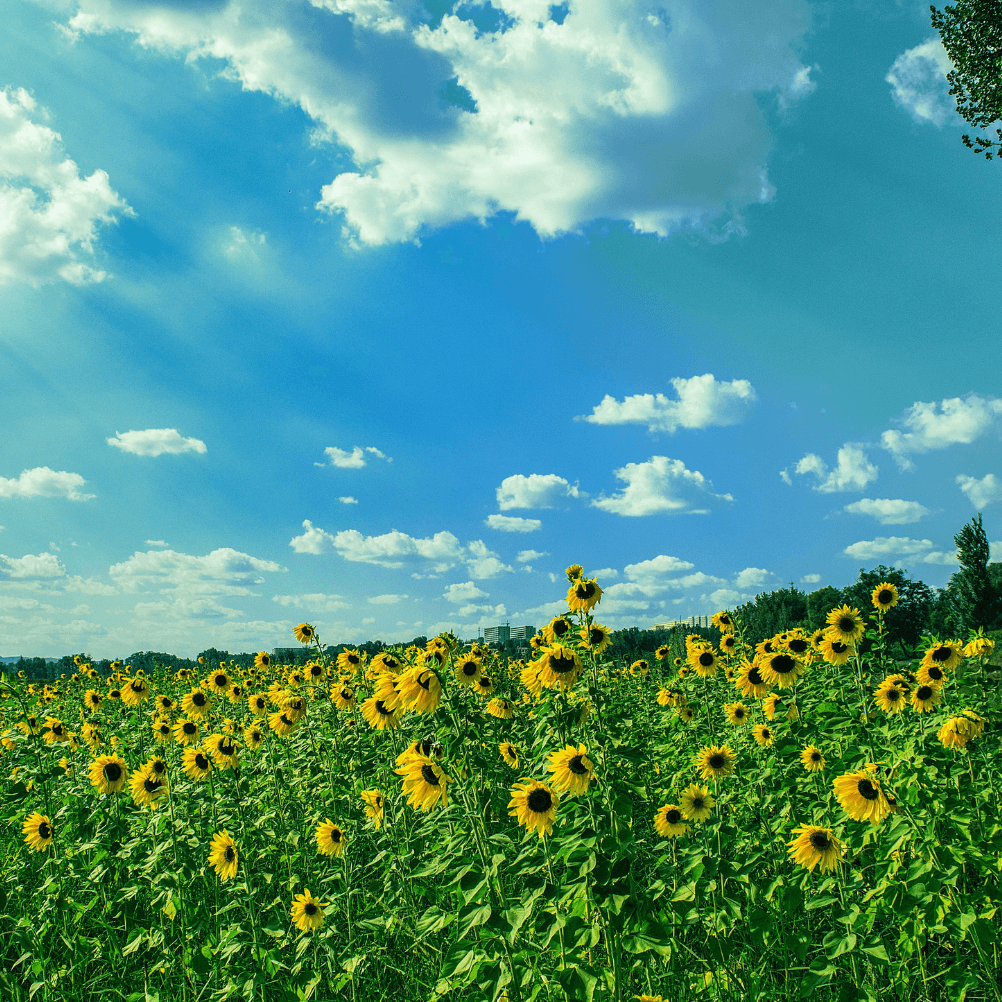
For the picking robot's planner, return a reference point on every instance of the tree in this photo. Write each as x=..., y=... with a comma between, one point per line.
x=772, y=612
x=971, y=31
x=974, y=600
x=909, y=619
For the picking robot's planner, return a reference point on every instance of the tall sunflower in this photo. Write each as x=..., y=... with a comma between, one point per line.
x=723, y=622
x=572, y=769
x=343, y=697
x=223, y=857
x=196, y=704
x=257, y=703
x=845, y=624
x=751, y=682
x=925, y=698
x=503, y=709
x=583, y=595
x=377, y=714
x=596, y=637
x=197, y=764
x=812, y=759
x=737, y=713
x=835, y=651
x=509, y=753
x=331, y=839
x=890, y=697
x=37, y=831
x=424, y=782
x=304, y=633
x=561, y=667
x=147, y=786
x=782, y=669
x=861, y=797
x=307, y=912
x=668, y=821
x=714, y=761
x=535, y=805
x=420, y=690
x=814, y=846
x=884, y=597
x=108, y=774
x=696, y=803
x=185, y=732
x=135, y=691
x=703, y=661
x=945, y=655
x=763, y=735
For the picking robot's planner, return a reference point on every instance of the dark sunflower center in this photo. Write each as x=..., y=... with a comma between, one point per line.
x=885, y=596
x=198, y=699
x=798, y=645
x=893, y=695
x=595, y=637
x=767, y=647
x=259, y=703
x=934, y=672
x=783, y=664
x=164, y=729
x=424, y=746
x=725, y=620
x=561, y=665
x=113, y=772
x=230, y=854
x=57, y=729
x=539, y=801
x=838, y=647
x=335, y=835
x=428, y=774
x=189, y=728
x=310, y=908
x=941, y=654
x=815, y=756
x=739, y=714
x=577, y=766
x=201, y=762
x=706, y=659
x=674, y=816
x=159, y=765
x=288, y=723
x=469, y=668
x=820, y=842
x=346, y=694
x=151, y=784
x=560, y=627
x=584, y=590
x=766, y=733
x=353, y=659
x=847, y=624
x=226, y=749
x=316, y=671
x=924, y=692
x=44, y=831
x=381, y=708
x=716, y=761
x=698, y=803
x=867, y=790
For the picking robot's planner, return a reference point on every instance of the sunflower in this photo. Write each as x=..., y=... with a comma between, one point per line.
x=378, y=715
x=294, y=707
x=668, y=821
x=135, y=691
x=257, y=703
x=925, y=698
x=253, y=736
x=574, y=572
x=751, y=682
x=424, y=783
x=349, y=661
x=861, y=797
x=714, y=761
x=696, y=803
x=890, y=696
x=723, y=622
x=196, y=704
x=703, y=661
x=343, y=697
x=55, y=731
x=162, y=730
x=108, y=774
x=223, y=749
x=185, y=731
x=884, y=597
x=224, y=857
x=845, y=624
x=114, y=694
x=572, y=770
x=685, y=714
x=583, y=595
x=317, y=672
x=91, y=733
x=509, y=753
x=372, y=804
x=814, y=846
x=331, y=839
x=307, y=912
x=770, y=705
x=219, y=682
x=945, y=655
x=37, y=831
x=92, y=699
x=467, y=670
x=147, y=786
x=561, y=667
x=484, y=686
x=282, y=723
x=503, y=709
x=596, y=637
x=737, y=713
x=834, y=651
x=262, y=659
x=728, y=643
x=197, y=764
x=535, y=805
x=978, y=647
x=763, y=735
x=304, y=633
x=423, y=748
x=782, y=669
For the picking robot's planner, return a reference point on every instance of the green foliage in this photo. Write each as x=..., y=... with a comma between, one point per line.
x=975, y=599
x=909, y=619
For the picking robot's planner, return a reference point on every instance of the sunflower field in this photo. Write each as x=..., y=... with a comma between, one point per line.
x=808, y=817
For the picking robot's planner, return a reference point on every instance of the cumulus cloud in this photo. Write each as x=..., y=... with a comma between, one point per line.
x=752, y=577
x=918, y=82
x=661, y=485
x=155, y=442
x=386, y=599
x=483, y=563
x=314, y=540
x=353, y=460
x=50, y=213
x=348, y=500
x=31, y=567
x=223, y=571
x=618, y=111
x=41, y=482
x=156, y=542
x=312, y=601
x=538, y=490
x=511, y=523
x=702, y=402
x=463, y=593
x=852, y=472
x=929, y=426
x=981, y=492
x=528, y=556
x=889, y=511
x=810, y=579
x=920, y=551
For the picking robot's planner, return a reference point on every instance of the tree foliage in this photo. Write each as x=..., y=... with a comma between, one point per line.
x=974, y=598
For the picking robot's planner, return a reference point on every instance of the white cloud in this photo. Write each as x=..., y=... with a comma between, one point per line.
x=511, y=523
x=50, y=214
x=223, y=571
x=527, y=556
x=313, y=602
x=810, y=579
x=462, y=593
x=618, y=112
x=660, y=485
x=482, y=562
x=386, y=599
x=155, y=542
x=785, y=477
x=920, y=551
x=656, y=568
x=888, y=511
x=604, y=574
x=244, y=245
x=313, y=540
x=852, y=472
x=538, y=490
x=752, y=577
x=41, y=482
x=918, y=82
x=88, y=586
x=393, y=549
x=702, y=402
x=348, y=500
x=31, y=567
x=981, y=492
x=353, y=460
x=155, y=442
x=954, y=421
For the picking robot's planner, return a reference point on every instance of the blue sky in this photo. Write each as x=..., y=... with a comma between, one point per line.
x=688, y=294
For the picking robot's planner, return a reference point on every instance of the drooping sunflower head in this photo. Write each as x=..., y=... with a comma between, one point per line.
x=861, y=796
x=330, y=838
x=262, y=660
x=304, y=633
x=509, y=753
x=572, y=769
x=884, y=597
x=37, y=831
x=945, y=655
x=557, y=629
x=763, y=735
x=814, y=846
x=372, y=804
x=223, y=857
x=583, y=595
x=574, y=572
x=662, y=652
x=723, y=622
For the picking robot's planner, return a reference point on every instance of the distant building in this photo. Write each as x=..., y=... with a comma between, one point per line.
x=508, y=634
x=522, y=632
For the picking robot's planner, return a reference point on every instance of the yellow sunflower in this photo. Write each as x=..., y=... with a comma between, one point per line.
x=331, y=839
x=723, y=622
x=197, y=764
x=714, y=761
x=814, y=846
x=572, y=770
x=890, y=696
x=467, y=670
x=372, y=804
x=108, y=774
x=349, y=662
x=185, y=732
x=583, y=595
x=884, y=597
x=509, y=753
x=696, y=803
x=420, y=690
x=535, y=805
x=737, y=713
x=845, y=624
x=378, y=715
x=257, y=703
x=343, y=697
x=763, y=735
x=307, y=912
x=781, y=669
x=424, y=782
x=668, y=821
x=561, y=667
x=596, y=637
x=834, y=651
x=751, y=682
x=812, y=759
x=196, y=704
x=37, y=831
x=161, y=730
x=703, y=661
x=148, y=786
x=223, y=856
x=282, y=723
x=861, y=797
x=503, y=709
x=304, y=633
x=945, y=656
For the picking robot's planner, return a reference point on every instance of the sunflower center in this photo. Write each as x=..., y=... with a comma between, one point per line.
x=316, y=671
x=935, y=673
x=310, y=908
x=577, y=766
x=798, y=645
x=335, y=835
x=716, y=761
x=44, y=831
x=923, y=693
x=561, y=665
x=221, y=680
x=767, y=647
x=353, y=659
x=941, y=654
x=698, y=803
x=867, y=790
x=560, y=627
x=151, y=785
x=584, y=590
x=847, y=624
x=159, y=765
x=189, y=728
x=838, y=647
x=673, y=816
x=739, y=714
x=884, y=596
x=113, y=772
x=539, y=801
x=469, y=668
x=815, y=756
x=227, y=749
x=783, y=664
x=755, y=676
x=706, y=659
x=428, y=774
x=230, y=854
x=198, y=699
x=201, y=762
x=893, y=695
x=820, y=841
